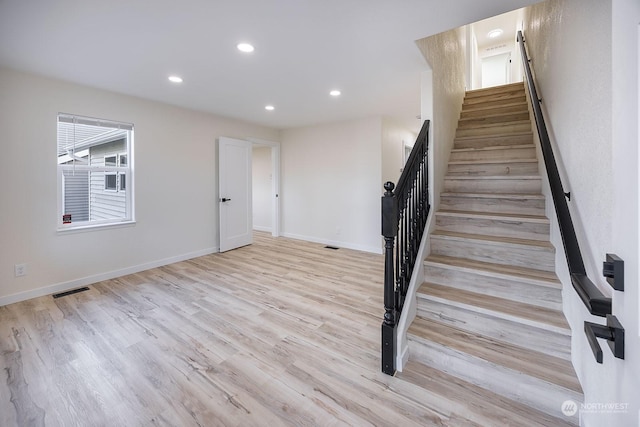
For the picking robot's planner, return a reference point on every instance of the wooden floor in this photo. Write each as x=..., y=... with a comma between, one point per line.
x=281, y=332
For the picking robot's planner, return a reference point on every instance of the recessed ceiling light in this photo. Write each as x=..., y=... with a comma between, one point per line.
x=175, y=79
x=269, y=108
x=495, y=33
x=245, y=47
x=335, y=92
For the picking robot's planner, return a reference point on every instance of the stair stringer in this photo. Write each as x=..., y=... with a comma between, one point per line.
x=410, y=303
x=555, y=238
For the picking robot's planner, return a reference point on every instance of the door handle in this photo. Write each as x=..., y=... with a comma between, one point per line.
x=225, y=200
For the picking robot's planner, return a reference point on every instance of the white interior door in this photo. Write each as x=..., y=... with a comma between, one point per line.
x=495, y=70
x=235, y=180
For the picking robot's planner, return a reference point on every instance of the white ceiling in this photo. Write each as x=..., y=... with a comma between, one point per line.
x=304, y=48
x=508, y=22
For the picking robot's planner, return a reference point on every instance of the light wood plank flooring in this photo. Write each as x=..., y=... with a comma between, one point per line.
x=281, y=332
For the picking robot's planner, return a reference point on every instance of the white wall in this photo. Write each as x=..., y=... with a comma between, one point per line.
x=331, y=183
x=585, y=58
x=445, y=53
x=394, y=137
x=175, y=186
x=262, y=180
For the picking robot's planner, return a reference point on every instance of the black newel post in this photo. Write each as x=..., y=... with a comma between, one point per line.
x=389, y=232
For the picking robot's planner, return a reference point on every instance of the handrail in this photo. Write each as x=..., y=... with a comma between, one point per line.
x=596, y=302
x=404, y=217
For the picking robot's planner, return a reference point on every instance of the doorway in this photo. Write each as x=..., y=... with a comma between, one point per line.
x=496, y=70
x=266, y=186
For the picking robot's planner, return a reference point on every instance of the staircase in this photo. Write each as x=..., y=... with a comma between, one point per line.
x=490, y=310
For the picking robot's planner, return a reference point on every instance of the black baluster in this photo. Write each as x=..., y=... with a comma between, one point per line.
x=389, y=231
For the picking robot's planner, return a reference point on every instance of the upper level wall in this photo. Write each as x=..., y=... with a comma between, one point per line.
x=445, y=53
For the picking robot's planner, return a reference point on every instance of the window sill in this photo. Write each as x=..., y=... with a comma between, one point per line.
x=94, y=227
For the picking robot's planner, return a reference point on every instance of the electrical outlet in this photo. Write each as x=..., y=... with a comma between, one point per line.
x=20, y=269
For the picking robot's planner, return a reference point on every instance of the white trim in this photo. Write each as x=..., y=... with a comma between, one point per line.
x=95, y=225
x=85, y=281
x=261, y=228
x=346, y=245
x=410, y=303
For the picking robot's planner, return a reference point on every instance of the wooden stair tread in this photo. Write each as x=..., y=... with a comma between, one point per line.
x=498, y=409
x=463, y=120
x=541, y=277
x=543, y=316
x=498, y=125
x=496, y=216
x=493, y=99
x=493, y=148
x=505, y=135
x=493, y=239
x=480, y=107
x=548, y=368
x=491, y=161
x=492, y=177
x=515, y=196
x=495, y=89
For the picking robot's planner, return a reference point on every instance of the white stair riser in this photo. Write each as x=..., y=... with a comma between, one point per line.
x=493, y=120
x=493, y=141
x=518, y=255
x=511, y=384
x=533, y=206
x=498, y=129
x=490, y=325
x=494, y=227
x=514, y=288
x=507, y=153
x=504, y=186
x=489, y=169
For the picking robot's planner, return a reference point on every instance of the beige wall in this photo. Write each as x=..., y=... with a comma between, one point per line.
x=175, y=186
x=442, y=97
x=394, y=136
x=331, y=183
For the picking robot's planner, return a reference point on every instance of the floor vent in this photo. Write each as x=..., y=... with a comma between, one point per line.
x=71, y=292
x=332, y=247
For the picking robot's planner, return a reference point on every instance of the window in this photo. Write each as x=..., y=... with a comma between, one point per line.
x=94, y=172
x=110, y=181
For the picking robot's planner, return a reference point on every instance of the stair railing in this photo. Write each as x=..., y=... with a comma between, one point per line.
x=596, y=302
x=405, y=208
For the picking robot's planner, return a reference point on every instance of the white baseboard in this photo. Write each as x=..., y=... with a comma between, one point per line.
x=337, y=243
x=84, y=281
x=261, y=228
